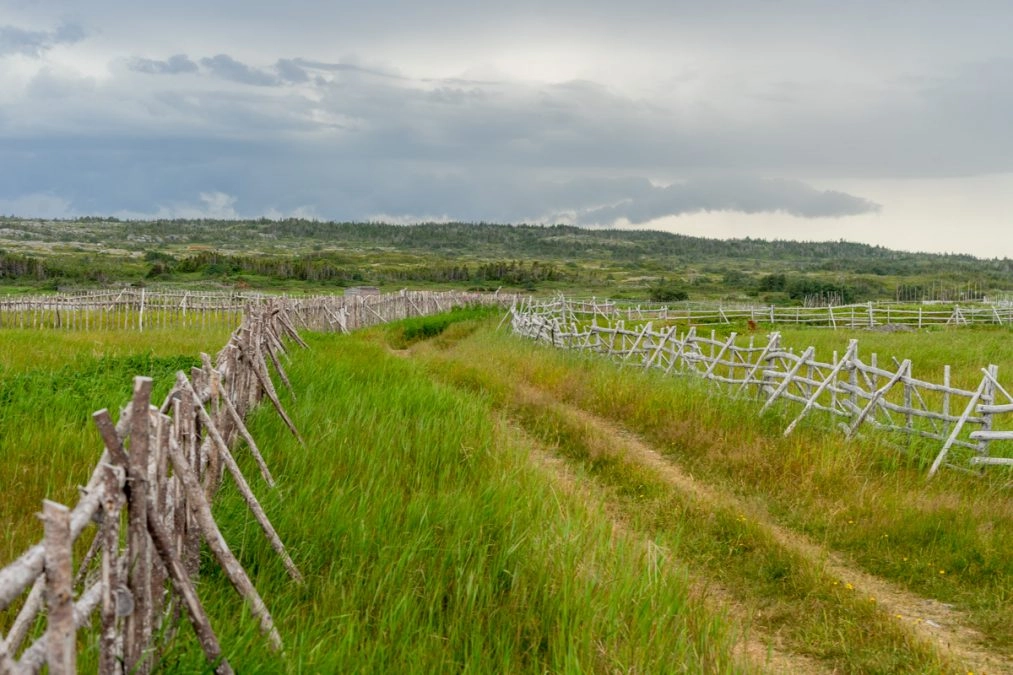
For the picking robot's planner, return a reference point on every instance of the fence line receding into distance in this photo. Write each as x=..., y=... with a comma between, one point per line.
x=702, y=313
x=157, y=476
x=140, y=309
x=967, y=429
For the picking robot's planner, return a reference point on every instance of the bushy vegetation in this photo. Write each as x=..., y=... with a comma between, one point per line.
x=618, y=263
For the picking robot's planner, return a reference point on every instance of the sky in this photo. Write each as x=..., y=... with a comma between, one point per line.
x=887, y=122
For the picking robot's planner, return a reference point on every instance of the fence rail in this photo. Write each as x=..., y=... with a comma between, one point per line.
x=971, y=429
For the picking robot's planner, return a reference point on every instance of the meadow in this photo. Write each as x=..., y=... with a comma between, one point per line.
x=470, y=501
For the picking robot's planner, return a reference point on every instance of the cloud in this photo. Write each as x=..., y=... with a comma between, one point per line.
x=740, y=194
x=290, y=71
x=227, y=68
x=50, y=83
x=174, y=65
x=37, y=205
x=34, y=43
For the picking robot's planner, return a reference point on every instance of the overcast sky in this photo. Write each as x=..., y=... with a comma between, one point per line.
x=876, y=121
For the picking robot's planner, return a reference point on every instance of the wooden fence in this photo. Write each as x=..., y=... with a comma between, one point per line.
x=869, y=315
x=158, y=475
x=138, y=309
x=966, y=429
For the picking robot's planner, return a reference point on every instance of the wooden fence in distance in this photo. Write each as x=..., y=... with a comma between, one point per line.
x=966, y=429
x=869, y=315
x=140, y=309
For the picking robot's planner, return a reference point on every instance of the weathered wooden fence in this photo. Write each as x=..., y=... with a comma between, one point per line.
x=157, y=477
x=869, y=315
x=970, y=428
x=139, y=308
x=160, y=470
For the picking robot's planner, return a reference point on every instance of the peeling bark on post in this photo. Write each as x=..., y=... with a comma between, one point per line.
x=216, y=542
x=184, y=587
x=61, y=633
x=138, y=624
x=109, y=657
x=245, y=491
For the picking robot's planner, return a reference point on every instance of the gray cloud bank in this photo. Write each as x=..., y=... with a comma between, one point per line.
x=285, y=130
x=174, y=65
x=33, y=43
x=746, y=195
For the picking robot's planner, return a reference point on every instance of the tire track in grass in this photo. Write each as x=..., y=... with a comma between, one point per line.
x=933, y=622
x=753, y=646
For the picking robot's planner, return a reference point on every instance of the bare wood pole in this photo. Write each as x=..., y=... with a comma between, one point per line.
x=987, y=399
x=260, y=370
x=156, y=496
x=788, y=378
x=184, y=587
x=244, y=487
x=61, y=632
x=278, y=367
x=24, y=621
x=946, y=399
x=216, y=542
x=109, y=657
x=831, y=378
x=252, y=444
x=903, y=371
x=138, y=623
x=956, y=429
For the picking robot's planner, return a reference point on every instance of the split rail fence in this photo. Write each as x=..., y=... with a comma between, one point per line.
x=157, y=476
x=868, y=315
x=138, y=309
x=965, y=429
x=151, y=493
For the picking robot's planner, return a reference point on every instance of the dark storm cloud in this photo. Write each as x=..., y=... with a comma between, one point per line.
x=34, y=43
x=174, y=65
x=290, y=71
x=508, y=112
x=743, y=194
x=227, y=68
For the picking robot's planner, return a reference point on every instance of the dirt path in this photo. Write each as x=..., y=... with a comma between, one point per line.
x=937, y=623
x=753, y=645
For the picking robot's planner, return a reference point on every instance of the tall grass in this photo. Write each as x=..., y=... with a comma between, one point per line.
x=50, y=384
x=951, y=539
x=431, y=543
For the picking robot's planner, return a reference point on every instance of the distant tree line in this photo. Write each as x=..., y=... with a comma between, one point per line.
x=322, y=268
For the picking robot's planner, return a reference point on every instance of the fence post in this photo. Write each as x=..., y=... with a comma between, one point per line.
x=61, y=633
x=138, y=624
x=987, y=399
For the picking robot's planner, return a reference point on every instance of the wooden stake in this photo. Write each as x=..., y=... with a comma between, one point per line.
x=61, y=633
x=138, y=624
x=244, y=488
x=184, y=587
x=216, y=542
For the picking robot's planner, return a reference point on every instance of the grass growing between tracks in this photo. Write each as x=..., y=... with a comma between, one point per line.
x=431, y=542
x=949, y=540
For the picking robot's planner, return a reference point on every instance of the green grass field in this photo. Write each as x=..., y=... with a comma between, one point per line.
x=469, y=501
